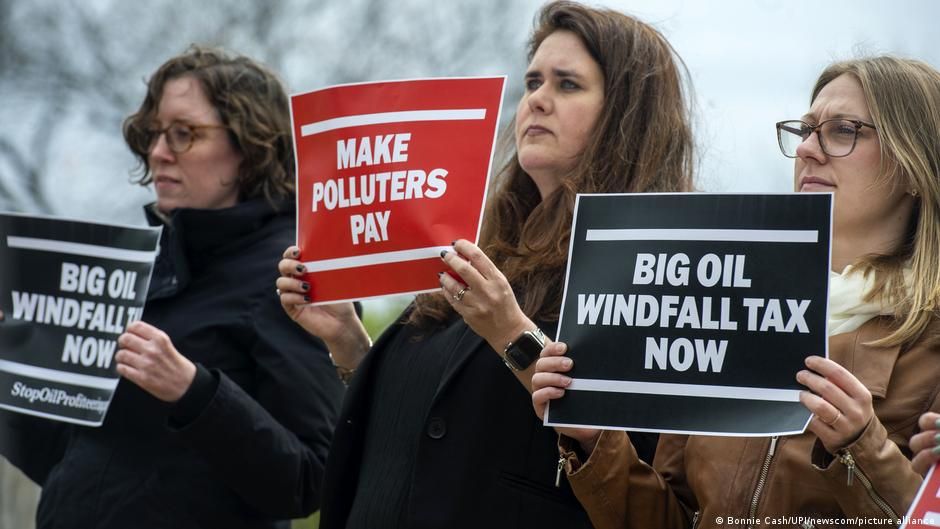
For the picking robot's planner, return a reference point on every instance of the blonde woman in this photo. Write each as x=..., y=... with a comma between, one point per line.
x=870, y=137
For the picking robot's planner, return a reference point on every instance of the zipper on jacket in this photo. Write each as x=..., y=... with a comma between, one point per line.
x=845, y=457
x=765, y=469
x=561, y=466
x=695, y=518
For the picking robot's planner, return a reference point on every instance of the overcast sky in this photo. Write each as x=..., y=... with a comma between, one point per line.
x=754, y=62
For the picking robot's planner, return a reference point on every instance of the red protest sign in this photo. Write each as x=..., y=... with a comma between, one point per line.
x=388, y=174
x=925, y=511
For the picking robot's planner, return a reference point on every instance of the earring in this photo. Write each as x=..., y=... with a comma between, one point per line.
x=915, y=193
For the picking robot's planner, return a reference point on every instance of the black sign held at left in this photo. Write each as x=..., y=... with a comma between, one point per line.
x=67, y=290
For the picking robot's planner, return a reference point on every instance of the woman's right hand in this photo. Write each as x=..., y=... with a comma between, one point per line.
x=337, y=324
x=549, y=383
x=925, y=445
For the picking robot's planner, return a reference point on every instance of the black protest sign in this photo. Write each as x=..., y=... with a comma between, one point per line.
x=67, y=290
x=693, y=313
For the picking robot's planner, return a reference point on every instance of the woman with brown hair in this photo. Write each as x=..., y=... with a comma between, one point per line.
x=436, y=430
x=870, y=138
x=226, y=408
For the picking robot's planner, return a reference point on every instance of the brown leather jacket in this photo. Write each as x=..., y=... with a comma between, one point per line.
x=699, y=481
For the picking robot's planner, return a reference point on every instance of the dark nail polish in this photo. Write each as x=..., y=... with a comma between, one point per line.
x=300, y=268
x=453, y=243
x=307, y=298
x=295, y=253
x=443, y=253
x=305, y=286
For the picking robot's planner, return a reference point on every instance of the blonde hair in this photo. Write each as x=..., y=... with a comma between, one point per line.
x=903, y=96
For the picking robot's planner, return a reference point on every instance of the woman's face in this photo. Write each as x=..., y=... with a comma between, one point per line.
x=865, y=202
x=556, y=115
x=206, y=175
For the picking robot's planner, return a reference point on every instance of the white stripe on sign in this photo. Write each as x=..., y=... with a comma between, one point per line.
x=811, y=236
x=459, y=114
x=53, y=375
x=77, y=248
x=932, y=519
x=52, y=416
x=685, y=390
x=375, y=259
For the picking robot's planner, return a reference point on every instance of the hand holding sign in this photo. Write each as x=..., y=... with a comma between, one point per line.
x=924, y=445
x=549, y=383
x=148, y=358
x=485, y=299
x=840, y=403
x=337, y=324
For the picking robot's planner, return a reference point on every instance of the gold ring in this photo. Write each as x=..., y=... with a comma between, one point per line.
x=460, y=293
x=835, y=420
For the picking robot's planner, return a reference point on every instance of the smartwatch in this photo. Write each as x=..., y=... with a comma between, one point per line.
x=525, y=349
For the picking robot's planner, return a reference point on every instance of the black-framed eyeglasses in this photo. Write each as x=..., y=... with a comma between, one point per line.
x=837, y=137
x=179, y=135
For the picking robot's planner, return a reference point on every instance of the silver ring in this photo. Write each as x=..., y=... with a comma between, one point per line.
x=278, y=292
x=460, y=293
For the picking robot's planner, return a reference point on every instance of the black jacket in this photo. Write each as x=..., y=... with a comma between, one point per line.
x=246, y=445
x=484, y=459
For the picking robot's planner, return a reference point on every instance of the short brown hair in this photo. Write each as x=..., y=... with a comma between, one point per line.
x=642, y=142
x=252, y=105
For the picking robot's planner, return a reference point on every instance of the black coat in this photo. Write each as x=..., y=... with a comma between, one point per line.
x=484, y=459
x=246, y=445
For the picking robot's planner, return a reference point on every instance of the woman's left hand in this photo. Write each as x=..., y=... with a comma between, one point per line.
x=484, y=299
x=840, y=403
x=148, y=358
x=925, y=445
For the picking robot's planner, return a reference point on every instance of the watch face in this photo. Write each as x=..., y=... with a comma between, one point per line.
x=524, y=351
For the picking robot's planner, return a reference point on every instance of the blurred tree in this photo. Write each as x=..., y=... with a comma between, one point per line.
x=71, y=70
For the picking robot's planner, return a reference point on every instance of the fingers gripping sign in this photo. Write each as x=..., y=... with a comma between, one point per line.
x=925, y=445
x=336, y=324
x=482, y=295
x=840, y=403
x=148, y=358
x=550, y=382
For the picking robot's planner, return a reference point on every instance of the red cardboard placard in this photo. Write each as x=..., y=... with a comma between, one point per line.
x=388, y=175
x=925, y=511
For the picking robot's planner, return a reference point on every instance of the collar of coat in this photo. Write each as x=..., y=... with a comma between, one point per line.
x=192, y=238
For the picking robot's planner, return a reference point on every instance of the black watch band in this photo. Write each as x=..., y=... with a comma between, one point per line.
x=520, y=353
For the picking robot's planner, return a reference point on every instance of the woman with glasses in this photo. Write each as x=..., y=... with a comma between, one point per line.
x=870, y=138
x=226, y=408
x=436, y=429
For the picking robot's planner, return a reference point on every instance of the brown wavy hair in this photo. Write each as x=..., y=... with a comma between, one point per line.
x=903, y=96
x=642, y=142
x=253, y=107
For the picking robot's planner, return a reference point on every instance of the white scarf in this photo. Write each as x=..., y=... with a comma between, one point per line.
x=847, y=308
